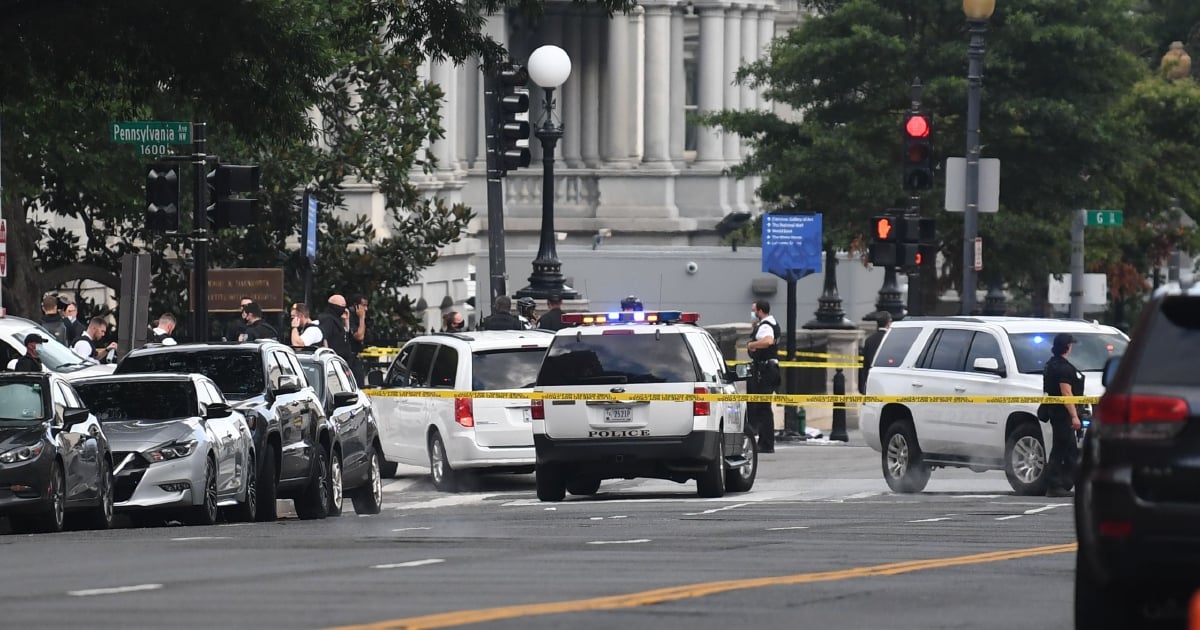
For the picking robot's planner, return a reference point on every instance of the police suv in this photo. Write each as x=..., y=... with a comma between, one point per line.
x=581, y=441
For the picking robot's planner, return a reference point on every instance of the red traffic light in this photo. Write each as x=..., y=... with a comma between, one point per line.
x=917, y=126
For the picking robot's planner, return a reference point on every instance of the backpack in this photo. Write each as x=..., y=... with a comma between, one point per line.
x=58, y=329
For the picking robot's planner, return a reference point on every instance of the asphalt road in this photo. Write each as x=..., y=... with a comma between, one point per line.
x=819, y=543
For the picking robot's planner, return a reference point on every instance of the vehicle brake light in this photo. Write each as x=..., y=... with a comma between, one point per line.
x=700, y=407
x=1135, y=416
x=537, y=409
x=464, y=412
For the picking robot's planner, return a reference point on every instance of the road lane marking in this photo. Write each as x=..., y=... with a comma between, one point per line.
x=406, y=565
x=190, y=538
x=114, y=590
x=451, y=501
x=690, y=591
x=1009, y=518
x=398, y=485
x=715, y=510
x=635, y=541
x=931, y=520
x=410, y=529
x=1048, y=507
x=780, y=529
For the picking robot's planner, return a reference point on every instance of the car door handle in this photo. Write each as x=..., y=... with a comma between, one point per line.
x=918, y=384
x=960, y=389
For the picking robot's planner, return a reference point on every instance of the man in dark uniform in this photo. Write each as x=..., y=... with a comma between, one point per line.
x=1060, y=378
x=883, y=320
x=31, y=362
x=334, y=323
x=256, y=326
x=501, y=317
x=552, y=318
x=763, y=349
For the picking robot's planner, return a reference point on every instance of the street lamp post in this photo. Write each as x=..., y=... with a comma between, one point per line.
x=978, y=13
x=549, y=67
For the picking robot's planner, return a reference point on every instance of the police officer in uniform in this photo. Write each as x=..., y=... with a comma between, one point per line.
x=764, y=375
x=1060, y=378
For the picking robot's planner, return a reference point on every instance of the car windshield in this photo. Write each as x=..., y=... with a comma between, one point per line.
x=21, y=403
x=611, y=359
x=513, y=368
x=153, y=400
x=315, y=375
x=238, y=373
x=54, y=355
x=1090, y=352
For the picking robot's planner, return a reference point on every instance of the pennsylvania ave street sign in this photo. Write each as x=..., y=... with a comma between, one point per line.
x=152, y=132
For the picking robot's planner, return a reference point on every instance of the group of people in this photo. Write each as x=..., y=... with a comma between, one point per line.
x=526, y=316
x=340, y=326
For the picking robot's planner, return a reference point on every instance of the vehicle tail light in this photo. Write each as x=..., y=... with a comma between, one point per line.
x=537, y=409
x=700, y=407
x=464, y=412
x=1135, y=416
x=1116, y=529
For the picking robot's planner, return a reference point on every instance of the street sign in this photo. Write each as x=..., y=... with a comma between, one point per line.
x=978, y=254
x=310, y=226
x=791, y=245
x=989, y=185
x=152, y=132
x=154, y=150
x=1110, y=218
x=3, y=264
x=3, y=230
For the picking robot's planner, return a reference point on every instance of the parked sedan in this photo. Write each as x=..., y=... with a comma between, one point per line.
x=354, y=467
x=54, y=456
x=177, y=445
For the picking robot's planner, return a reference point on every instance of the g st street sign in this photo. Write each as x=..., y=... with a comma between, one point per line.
x=1110, y=218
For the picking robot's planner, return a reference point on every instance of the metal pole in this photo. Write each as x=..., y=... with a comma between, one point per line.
x=791, y=375
x=914, y=275
x=1077, y=223
x=547, y=278
x=200, y=234
x=497, y=273
x=977, y=28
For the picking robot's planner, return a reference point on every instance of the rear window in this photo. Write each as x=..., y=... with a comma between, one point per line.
x=1089, y=354
x=506, y=369
x=139, y=400
x=895, y=347
x=1172, y=341
x=238, y=373
x=612, y=359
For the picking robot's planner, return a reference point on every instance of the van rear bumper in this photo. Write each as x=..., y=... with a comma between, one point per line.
x=664, y=457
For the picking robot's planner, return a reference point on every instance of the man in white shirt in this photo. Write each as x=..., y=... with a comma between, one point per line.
x=85, y=346
x=164, y=331
x=305, y=333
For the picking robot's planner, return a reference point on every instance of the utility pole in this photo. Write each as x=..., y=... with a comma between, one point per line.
x=1077, y=222
x=497, y=274
x=200, y=230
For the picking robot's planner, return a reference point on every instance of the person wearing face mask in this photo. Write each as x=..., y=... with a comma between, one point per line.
x=764, y=377
x=453, y=322
x=334, y=323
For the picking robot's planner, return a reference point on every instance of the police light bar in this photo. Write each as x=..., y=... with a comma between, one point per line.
x=629, y=317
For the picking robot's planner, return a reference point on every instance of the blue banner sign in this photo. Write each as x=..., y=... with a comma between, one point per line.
x=791, y=245
x=310, y=225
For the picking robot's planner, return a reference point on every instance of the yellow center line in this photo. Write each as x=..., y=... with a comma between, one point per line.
x=688, y=591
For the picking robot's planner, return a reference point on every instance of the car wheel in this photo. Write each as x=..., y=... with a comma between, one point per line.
x=1025, y=460
x=369, y=498
x=904, y=468
x=711, y=483
x=551, y=485
x=314, y=503
x=335, y=484
x=101, y=516
x=1100, y=606
x=742, y=479
x=54, y=517
x=445, y=478
x=247, y=510
x=267, y=489
x=206, y=513
x=583, y=486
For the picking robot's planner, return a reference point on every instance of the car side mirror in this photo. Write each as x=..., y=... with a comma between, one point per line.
x=988, y=365
x=288, y=383
x=73, y=416
x=344, y=399
x=1110, y=370
x=217, y=410
x=740, y=372
x=375, y=378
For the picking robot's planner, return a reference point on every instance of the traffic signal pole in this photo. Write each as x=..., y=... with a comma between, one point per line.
x=200, y=231
x=497, y=273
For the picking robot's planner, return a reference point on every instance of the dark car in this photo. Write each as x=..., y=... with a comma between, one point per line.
x=264, y=381
x=357, y=458
x=54, y=457
x=1137, y=505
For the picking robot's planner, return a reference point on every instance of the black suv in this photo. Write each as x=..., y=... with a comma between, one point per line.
x=265, y=382
x=1137, y=507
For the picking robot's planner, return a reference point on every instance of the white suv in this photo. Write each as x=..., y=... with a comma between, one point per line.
x=581, y=442
x=453, y=435
x=972, y=356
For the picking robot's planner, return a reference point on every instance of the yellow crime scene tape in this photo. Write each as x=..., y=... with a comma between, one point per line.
x=818, y=355
x=805, y=364
x=779, y=399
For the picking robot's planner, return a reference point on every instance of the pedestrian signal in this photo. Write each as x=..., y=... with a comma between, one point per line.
x=884, y=228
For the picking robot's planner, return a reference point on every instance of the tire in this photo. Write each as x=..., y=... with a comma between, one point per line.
x=1025, y=460
x=336, y=485
x=314, y=503
x=583, y=486
x=902, y=460
x=445, y=478
x=711, y=483
x=1101, y=606
x=387, y=470
x=268, y=488
x=54, y=518
x=369, y=498
x=742, y=479
x=206, y=513
x=101, y=516
x=551, y=485
x=247, y=510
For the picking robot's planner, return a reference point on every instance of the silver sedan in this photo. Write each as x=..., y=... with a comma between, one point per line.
x=178, y=448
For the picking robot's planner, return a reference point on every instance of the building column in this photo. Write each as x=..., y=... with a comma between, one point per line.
x=749, y=97
x=711, y=76
x=616, y=119
x=766, y=33
x=570, y=96
x=589, y=68
x=637, y=86
x=678, y=113
x=444, y=74
x=470, y=89
x=733, y=93
x=657, y=143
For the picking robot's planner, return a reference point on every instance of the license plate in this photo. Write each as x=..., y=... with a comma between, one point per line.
x=618, y=414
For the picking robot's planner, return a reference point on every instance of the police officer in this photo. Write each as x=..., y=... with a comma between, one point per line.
x=764, y=378
x=501, y=317
x=1060, y=378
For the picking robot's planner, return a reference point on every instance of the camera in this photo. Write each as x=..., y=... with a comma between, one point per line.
x=692, y=267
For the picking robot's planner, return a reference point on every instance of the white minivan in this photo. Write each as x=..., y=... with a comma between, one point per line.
x=55, y=356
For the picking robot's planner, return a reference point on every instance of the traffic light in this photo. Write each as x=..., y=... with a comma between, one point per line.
x=918, y=151
x=224, y=210
x=901, y=241
x=512, y=101
x=884, y=238
x=162, y=198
